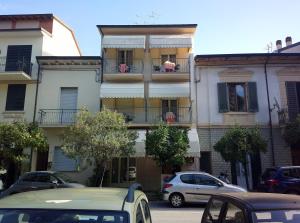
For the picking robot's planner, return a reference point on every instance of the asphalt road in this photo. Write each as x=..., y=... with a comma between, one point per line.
x=162, y=212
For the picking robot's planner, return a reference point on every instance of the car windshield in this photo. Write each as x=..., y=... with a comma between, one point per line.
x=61, y=216
x=277, y=216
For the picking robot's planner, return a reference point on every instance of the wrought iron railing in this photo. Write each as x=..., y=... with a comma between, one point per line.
x=152, y=115
x=177, y=65
x=57, y=116
x=19, y=65
x=113, y=66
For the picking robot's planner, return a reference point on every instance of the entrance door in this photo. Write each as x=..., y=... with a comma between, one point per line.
x=42, y=160
x=68, y=104
x=205, y=162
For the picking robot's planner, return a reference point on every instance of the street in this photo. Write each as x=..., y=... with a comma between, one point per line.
x=163, y=212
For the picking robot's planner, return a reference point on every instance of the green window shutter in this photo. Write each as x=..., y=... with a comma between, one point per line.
x=223, y=97
x=292, y=101
x=252, y=97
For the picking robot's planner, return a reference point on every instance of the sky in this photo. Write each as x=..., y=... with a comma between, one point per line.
x=224, y=26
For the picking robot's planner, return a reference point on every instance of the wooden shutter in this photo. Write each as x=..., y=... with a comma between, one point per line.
x=18, y=58
x=292, y=100
x=15, y=97
x=252, y=97
x=223, y=97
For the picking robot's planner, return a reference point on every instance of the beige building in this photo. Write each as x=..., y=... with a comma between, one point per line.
x=146, y=76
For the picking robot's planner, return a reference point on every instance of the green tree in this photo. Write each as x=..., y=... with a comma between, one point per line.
x=291, y=132
x=168, y=145
x=14, y=138
x=98, y=138
x=239, y=142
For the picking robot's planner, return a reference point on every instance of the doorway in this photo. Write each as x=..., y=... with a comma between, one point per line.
x=205, y=162
x=42, y=160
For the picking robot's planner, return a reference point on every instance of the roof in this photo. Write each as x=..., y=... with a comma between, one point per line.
x=262, y=201
x=288, y=47
x=147, y=29
x=246, y=59
x=69, y=198
x=69, y=60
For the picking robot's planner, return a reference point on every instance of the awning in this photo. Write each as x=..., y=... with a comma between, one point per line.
x=140, y=144
x=171, y=41
x=123, y=42
x=116, y=90
x=194, y=150
x=170, y=90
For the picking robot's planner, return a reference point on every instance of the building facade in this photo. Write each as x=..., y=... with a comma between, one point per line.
x=235, y=89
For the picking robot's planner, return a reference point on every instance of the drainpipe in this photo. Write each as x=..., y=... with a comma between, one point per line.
x=270, y=112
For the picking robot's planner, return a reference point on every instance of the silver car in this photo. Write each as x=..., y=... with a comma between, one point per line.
x=194, y=187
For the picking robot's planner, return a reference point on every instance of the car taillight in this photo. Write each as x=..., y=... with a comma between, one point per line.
x=272, y=182
x=167, y=186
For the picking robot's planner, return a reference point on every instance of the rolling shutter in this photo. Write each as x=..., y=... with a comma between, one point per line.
x=15, y=97
x=292, y=100
x=223, y=97
x=61, y=162
x=252, y=97
x=18, y=58
x=68, y=104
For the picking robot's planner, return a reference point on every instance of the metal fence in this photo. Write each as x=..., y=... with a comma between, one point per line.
x=19, y=65
x=113, y=66
x=176, y=65
x=57, y=116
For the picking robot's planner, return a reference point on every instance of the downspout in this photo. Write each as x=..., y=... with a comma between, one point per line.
x=102, y=66
x=270, y=112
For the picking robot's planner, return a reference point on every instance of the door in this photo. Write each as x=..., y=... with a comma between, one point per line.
x=205, y=162
x=169, y=110
x=187, y=187
x=68, y=105
x=18, y=58
x=42, y=160
x=205, y=186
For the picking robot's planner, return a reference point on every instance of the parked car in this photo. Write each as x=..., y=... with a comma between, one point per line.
x=252, y=208
x=194, y=187
x=281, y=180
x=77, y=205
x=38, y=180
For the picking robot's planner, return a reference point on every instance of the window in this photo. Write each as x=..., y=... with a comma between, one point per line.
x=291, y=173
x=234, y=214
x=15, y=97
x=293, y=99
x=125, y=57
x=169, y=110
x=205, y=180
x=237, y=97
x=187, y=178
x=30, y=178
x=290, y=216
x=214, y=211
x=18, y=58
x=166, y=57
x=139, y=215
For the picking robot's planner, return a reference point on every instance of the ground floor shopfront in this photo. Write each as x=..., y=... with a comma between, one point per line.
x=212, y=162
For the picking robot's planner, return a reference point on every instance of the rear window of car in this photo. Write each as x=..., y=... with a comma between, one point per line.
x=61, y=216
x=291, y=172
x=187, y=178
x=269, y=174
x=168, y=179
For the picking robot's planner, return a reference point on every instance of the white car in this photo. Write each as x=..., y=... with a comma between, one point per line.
x=194, y=187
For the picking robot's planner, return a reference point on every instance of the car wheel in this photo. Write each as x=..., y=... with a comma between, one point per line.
x=176, y=200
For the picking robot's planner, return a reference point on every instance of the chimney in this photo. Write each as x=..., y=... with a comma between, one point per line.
x=288, y=40
x=278, y=44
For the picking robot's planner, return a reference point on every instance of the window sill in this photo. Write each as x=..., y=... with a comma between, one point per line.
x=239, y=113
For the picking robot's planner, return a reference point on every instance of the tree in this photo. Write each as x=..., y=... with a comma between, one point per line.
x=237, y=143
x=14, y=138
x=291, y=132
x=168, y=145
x=98, y=138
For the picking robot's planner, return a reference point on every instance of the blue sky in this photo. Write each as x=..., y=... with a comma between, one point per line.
x=224, y=26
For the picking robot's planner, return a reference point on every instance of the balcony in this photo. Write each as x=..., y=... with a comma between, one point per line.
x=177, y=70
x=19, y=70
x=114, y=71
x=57, y=117
x=154, y=115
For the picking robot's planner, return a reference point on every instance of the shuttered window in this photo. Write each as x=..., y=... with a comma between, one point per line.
x=18, y=58
x=63, y=163
x=237, y=97
x=15, y=97
x=293, y=99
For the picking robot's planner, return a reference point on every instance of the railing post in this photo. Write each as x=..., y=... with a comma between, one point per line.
x=61, y=116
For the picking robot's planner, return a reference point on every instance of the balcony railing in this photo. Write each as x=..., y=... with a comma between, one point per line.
x=153, y=115
x=57, y=116
x=112, y=66
x=19, y=65
x=178, y=66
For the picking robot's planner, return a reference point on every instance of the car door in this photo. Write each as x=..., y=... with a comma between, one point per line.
x=185, y=186
x=205, y=186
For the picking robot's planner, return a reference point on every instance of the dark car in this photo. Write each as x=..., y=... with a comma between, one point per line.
x=252, y=208
x=39, y=180
x=281, y=180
